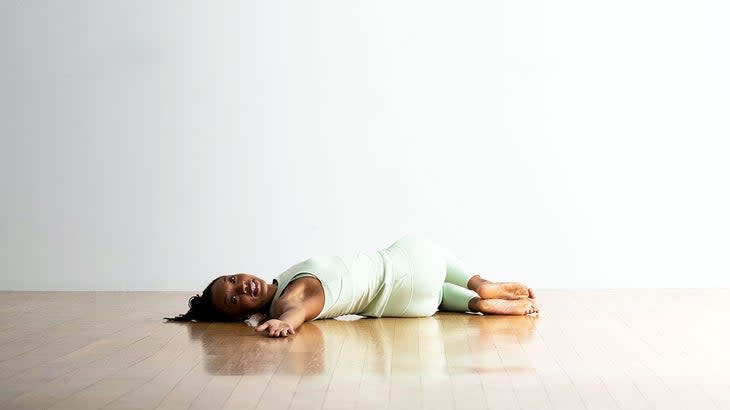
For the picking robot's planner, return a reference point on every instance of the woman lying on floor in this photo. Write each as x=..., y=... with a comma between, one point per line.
x=413, y=277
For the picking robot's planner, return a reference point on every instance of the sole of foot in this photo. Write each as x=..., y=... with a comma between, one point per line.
x=507, y=306
x=505, y=290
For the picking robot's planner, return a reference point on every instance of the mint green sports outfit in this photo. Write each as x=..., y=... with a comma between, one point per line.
x=413, y=277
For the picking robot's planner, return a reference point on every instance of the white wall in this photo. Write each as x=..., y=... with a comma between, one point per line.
x=566, y=144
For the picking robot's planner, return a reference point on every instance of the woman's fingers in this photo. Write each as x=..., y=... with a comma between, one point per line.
x=281, y=332
x=276, y=328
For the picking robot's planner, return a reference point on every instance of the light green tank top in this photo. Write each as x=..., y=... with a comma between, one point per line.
x=358, y=284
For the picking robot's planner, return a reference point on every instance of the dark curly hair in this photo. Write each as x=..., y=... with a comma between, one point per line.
x=202, y=309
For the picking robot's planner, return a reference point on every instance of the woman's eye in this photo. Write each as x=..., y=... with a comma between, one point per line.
x=234, y=299
x=233, y=279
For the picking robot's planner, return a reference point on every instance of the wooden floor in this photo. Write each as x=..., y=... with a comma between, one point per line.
x=609, y=349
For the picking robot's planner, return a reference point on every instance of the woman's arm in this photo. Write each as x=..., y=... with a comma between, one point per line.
x=301, y=301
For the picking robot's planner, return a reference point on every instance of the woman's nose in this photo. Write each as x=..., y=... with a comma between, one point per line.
x=243, y=288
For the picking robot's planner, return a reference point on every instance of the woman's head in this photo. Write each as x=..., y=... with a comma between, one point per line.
x=240, y=295
x=229, y=298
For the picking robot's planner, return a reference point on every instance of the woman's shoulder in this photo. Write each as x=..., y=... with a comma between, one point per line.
x=305, y=284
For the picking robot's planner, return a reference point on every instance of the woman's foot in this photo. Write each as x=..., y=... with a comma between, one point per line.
x=504, y=290
x=504, y=306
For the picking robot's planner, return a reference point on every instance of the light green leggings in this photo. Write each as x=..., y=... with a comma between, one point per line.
x=455, y=295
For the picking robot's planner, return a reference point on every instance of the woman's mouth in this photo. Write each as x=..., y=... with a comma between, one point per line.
x=254, y=288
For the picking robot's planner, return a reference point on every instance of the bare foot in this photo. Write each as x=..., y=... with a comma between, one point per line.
x=505, y=306
x=504, y=290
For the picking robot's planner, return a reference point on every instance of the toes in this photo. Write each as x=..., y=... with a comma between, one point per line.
x=526, y=307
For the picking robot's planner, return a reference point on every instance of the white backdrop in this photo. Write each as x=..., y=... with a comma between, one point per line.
x=565, y=144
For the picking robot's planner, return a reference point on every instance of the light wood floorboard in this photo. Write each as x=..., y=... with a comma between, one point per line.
x=588, y=349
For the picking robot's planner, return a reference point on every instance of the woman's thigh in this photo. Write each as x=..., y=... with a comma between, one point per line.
x=419, y=271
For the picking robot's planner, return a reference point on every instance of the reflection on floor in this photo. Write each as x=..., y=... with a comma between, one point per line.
x=627, y=349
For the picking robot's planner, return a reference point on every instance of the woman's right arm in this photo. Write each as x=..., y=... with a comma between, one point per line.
x=302, y=300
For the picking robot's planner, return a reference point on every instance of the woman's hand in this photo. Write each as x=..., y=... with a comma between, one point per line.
x=277, y=328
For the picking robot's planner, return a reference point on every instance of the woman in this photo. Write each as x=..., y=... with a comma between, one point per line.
x=413, y=277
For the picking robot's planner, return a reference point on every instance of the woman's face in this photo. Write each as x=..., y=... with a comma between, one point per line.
x=241, y=294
